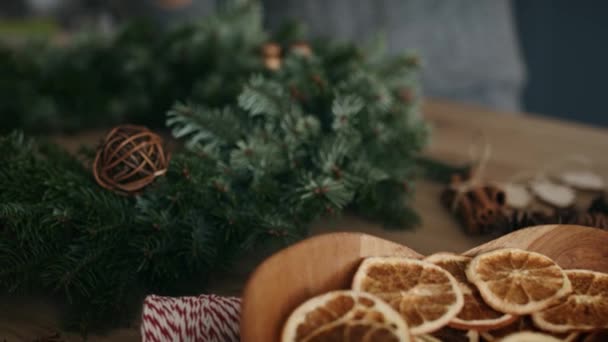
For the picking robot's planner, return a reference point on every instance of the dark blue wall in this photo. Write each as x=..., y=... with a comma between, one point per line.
x=565, y=45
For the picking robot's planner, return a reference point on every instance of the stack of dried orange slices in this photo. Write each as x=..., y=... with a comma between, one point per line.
x=503, y=295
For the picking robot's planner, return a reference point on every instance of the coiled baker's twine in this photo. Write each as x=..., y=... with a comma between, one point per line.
x=206, y=318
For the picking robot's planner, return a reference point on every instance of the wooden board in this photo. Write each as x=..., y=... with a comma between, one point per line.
x=520, y=142
x=328, y=262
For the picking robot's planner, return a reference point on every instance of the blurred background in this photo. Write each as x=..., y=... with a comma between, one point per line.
x=544, y=56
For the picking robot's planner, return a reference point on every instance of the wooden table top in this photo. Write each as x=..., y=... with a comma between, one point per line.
x=519, y=143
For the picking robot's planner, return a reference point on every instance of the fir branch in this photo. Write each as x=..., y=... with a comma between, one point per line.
x=334, y=191
x=199, y=125
x=261, y=97
x=266, y=153
x=345, y=109
x=133, y=75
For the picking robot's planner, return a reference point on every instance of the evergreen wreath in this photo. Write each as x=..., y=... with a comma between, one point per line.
x=264, y=154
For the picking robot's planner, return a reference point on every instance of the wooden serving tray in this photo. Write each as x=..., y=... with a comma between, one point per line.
x=328, y=262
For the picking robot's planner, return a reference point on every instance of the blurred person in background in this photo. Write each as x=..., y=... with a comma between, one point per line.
x=469, y=48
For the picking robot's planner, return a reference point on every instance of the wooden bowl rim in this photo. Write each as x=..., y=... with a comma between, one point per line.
x=278, y=254
x=306, y=241
x=535, y=231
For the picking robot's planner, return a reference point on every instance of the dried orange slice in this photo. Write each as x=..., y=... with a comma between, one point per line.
x=586, y=308
x=426, y=296
x=524, y=323
x=345, y=316
x=598, y=336
x=528, y=336
x=475, y=314
x=426, y=338
x=570, y=337
x=448, y=334
x=516, y=281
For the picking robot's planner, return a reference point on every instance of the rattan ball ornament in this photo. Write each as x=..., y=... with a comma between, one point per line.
x=129, y=159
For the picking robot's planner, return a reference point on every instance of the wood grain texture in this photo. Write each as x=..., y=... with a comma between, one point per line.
x=36, y=319
x=519, y=143
x=570, y=246
x=282, y=282
x=328, y=262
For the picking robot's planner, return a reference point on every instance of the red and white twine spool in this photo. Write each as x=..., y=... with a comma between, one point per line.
x=206, y=318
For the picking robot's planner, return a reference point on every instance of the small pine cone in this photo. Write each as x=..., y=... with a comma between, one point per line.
x=565, y=216
x=518, y=219
x=271, y=49
x=273, y=63
x=599, y=205
x=534, y=218
x=596, y=220
x=302, y=49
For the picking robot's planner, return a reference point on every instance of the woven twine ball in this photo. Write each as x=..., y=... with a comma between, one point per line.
x=129, y=159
